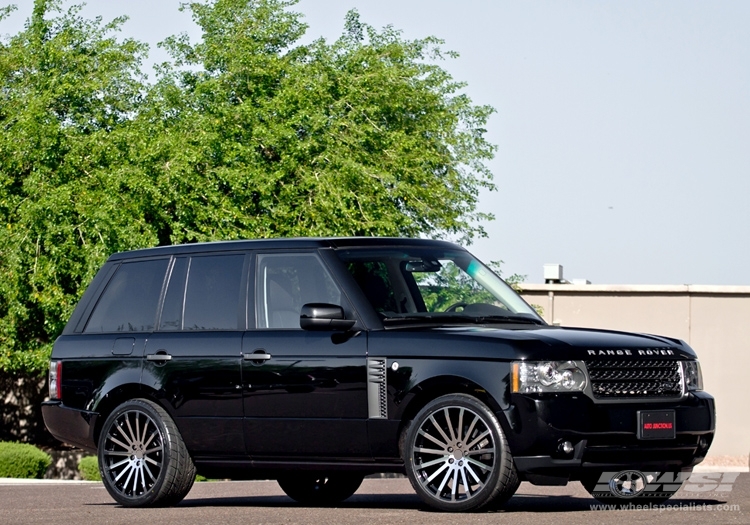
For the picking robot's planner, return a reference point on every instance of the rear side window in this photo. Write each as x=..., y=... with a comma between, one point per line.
x=214, y=293
x=129, y=301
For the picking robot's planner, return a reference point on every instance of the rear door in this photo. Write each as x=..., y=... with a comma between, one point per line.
x=193, y=360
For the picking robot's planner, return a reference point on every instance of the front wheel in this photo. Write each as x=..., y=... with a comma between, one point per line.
x=320, y=489
x=142, y=458
x=457, y=457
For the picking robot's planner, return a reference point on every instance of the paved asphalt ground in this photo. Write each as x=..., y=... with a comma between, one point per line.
x=378, y=501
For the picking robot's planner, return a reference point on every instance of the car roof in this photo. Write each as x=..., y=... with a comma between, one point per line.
x=283, y=244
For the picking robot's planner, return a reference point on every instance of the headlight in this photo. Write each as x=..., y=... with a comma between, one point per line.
x=691, y=371
x=547, y=376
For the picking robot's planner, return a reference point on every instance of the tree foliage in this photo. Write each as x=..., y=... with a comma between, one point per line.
x=67, y=87
x=246, y=133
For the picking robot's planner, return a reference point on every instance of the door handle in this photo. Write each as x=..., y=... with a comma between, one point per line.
x=258, y=355
x=159, y=357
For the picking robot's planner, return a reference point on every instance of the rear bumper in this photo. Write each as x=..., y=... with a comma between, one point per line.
x=71, y=426
x=604, y=437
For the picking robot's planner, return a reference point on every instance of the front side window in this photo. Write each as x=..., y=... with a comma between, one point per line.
x=130, y=299
x=286, y=282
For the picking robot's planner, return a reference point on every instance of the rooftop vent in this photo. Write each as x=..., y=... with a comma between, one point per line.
x=553, y=273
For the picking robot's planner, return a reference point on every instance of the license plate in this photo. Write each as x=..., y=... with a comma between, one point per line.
x=656, y=424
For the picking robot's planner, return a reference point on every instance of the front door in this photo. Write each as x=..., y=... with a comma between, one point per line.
x=304, y=392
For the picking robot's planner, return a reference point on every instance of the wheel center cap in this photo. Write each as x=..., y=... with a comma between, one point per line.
x=456, y=451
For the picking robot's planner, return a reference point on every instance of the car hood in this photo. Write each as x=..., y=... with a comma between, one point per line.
x=525, y=342
x=588, y=343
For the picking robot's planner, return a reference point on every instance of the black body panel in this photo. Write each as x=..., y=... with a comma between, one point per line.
x=201, y=387
x=312, y=387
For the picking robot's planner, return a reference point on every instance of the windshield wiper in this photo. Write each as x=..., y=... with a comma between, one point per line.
x=508, y=319
x=441, y=319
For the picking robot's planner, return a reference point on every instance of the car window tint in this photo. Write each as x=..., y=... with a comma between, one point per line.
x=129, y=301
x=171, y=312
x=213, y=294
x=375, y=281
x=286, y=282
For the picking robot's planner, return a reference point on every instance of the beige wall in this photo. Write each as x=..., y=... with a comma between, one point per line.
x=713, y=320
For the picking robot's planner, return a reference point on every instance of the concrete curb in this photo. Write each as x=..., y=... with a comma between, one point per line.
x=19, y=481
x=728, y=468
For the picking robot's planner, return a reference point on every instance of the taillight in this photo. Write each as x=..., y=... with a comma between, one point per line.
x=55, y=379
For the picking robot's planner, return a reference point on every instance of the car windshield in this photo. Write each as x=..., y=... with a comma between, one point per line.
x=432, y=283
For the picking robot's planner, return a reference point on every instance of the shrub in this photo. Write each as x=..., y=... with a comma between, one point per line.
x=19, y=460
x=89, y=468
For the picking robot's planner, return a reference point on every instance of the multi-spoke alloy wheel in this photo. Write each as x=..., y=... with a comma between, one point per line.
x=142, y=458
x=458, y=458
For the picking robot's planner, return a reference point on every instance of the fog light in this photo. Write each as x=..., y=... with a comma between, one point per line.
x=566, y=447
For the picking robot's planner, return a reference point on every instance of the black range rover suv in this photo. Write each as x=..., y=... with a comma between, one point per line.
x=318, y=361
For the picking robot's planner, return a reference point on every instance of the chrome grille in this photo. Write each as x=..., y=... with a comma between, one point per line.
x=635, y=378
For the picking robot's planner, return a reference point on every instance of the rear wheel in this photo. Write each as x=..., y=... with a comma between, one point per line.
x=456, y=455
x=142, y=458
x=320, y=489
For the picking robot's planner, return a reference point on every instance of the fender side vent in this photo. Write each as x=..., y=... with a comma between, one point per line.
x=377, y=399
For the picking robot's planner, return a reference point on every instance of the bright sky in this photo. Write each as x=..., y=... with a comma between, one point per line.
x=623, y=128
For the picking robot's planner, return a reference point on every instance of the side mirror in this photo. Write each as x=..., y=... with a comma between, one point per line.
x=322, y=316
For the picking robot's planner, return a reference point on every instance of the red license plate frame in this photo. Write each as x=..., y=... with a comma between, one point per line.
x=657, y=424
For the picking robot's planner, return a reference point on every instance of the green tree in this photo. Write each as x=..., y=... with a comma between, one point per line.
x=265, y=137
x=246, y=133
x=66, y=89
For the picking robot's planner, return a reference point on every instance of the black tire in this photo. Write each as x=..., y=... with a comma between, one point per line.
x=318, y=489
x=508, y=491
x=457, y=457
x=142, y=458
x=628, y=487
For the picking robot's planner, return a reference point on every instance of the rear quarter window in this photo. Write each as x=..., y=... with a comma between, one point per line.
x=130, y=299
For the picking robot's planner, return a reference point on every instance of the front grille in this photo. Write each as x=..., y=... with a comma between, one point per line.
x=634, y=379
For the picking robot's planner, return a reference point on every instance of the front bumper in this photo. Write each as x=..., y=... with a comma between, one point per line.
x=603, y=435
x=69, y=425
